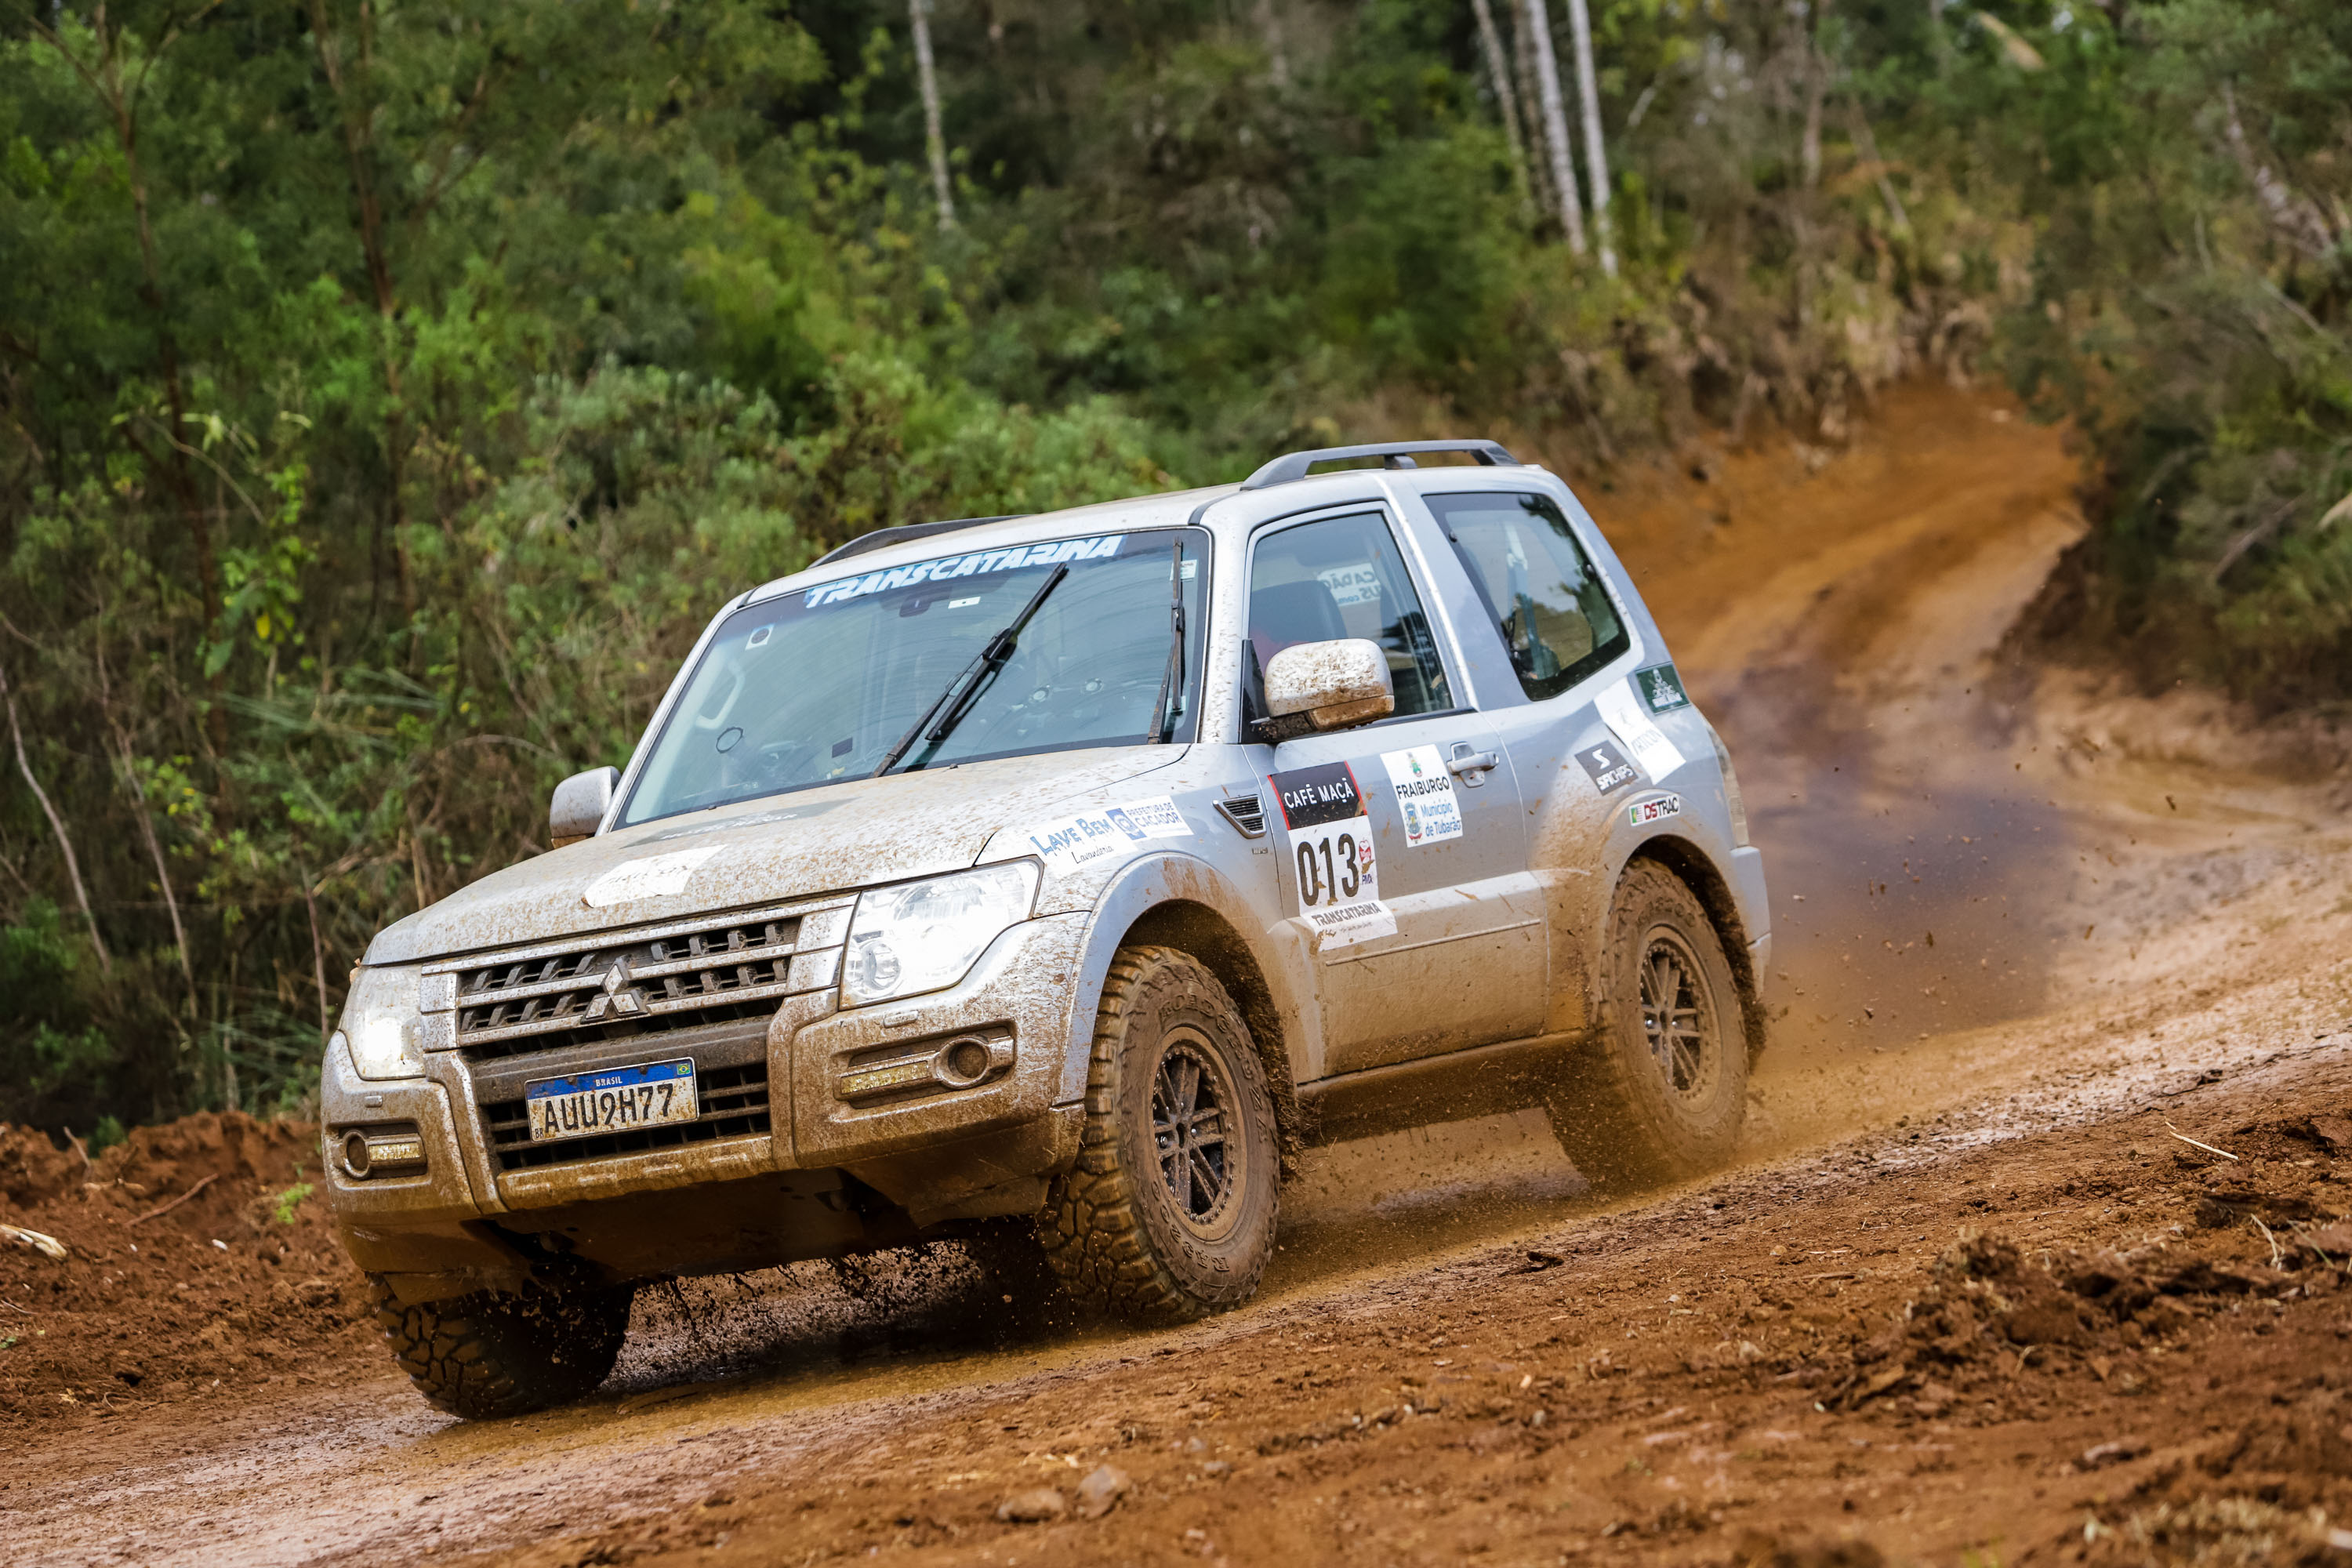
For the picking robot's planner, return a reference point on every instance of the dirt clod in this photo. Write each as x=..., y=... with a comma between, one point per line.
x=1033, y=1507
x=1100, y=1491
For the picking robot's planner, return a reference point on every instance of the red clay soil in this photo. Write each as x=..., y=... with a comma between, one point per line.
x=2101, y=1345
x=238, y=1287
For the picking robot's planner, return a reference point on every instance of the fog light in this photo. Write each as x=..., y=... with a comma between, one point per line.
x=964, y=1063
x=954, y=1062
x=381, y=1153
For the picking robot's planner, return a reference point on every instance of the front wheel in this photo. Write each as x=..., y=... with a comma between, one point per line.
x=1169, y=1214
x=1661, y=1094
x=499, y=1354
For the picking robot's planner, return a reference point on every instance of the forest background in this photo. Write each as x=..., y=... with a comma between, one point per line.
x=390, y=388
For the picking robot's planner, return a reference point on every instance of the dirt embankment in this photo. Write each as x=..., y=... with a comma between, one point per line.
x=199, y=1267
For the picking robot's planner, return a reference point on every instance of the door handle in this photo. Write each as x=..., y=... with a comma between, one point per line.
x=1471, y=766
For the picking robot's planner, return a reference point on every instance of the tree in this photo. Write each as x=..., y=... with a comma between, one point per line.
x=1596, y=159
x=1555, y=123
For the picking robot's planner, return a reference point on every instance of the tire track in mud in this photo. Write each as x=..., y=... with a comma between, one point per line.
x=1843, y=629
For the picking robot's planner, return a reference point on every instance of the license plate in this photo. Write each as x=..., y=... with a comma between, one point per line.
x=617, y=1100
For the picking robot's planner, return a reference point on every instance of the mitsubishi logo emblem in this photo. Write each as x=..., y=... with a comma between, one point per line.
x=618, y=995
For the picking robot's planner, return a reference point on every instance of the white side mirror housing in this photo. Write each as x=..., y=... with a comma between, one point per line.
x=1332, y=685
x=579, y=806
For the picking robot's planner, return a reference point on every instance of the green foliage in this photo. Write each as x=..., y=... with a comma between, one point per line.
x=291, y=1199
x=2193, y=167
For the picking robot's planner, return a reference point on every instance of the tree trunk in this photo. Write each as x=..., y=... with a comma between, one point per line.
x=1277, y=58
x=1506, y=101
x=1868, y=144
x=103, y=77
x=1531, y=127
x=359, y=150
x=57, y=826
x=1596, y=158
x=146, y=825
x=1554, y=122
x=934, y=141
x=1817, y=91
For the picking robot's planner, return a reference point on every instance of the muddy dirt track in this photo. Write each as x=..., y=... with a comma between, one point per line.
x=1974, y=1296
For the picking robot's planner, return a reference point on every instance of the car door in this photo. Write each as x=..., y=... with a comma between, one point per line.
x=1402, y=847
x=1583, y=739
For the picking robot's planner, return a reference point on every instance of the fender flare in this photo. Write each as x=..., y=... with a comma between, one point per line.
x=1269, y=993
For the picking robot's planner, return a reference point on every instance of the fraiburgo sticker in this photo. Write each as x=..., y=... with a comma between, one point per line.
x=1424, y=795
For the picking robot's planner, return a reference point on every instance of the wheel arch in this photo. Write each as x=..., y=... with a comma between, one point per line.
x=1198, y=930
x=1699, y=872
x=1182, y=902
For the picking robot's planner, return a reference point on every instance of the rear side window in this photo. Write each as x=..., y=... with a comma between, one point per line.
x=1537, y=586
x=1342, y=577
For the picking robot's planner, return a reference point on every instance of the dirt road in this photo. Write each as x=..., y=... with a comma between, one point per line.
x=1974, y=1292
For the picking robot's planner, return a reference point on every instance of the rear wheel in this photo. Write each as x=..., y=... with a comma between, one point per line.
x=1169, y=1215
x=1661, y=1094
x=498, y=1353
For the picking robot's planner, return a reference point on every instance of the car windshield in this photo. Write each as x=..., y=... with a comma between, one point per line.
x=819, y=684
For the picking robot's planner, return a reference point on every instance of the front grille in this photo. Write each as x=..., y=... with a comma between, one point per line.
x=639, y=982
x=734, y=1105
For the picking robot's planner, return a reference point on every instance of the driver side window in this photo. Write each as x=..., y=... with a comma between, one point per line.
x=1343, y=577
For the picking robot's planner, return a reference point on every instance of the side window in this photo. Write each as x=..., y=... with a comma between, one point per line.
x=1342, y=577
x=1542, y=592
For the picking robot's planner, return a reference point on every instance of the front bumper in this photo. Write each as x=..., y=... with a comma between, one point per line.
x=914, y=1154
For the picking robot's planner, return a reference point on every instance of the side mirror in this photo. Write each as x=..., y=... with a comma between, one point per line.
x=579, y=806
x=1317, y=685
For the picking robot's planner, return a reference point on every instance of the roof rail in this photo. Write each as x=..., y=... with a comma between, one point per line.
x=883, y=538
x=1293, y=466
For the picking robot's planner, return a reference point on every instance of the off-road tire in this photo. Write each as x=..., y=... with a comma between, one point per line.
x=494, y=1354
x=1631, y=1113
x=1126, y=1241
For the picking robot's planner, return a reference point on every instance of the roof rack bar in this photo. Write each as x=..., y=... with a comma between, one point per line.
x=883, y=538
x=1293, y=466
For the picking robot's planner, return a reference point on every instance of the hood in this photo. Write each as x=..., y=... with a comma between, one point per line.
x=838, y=838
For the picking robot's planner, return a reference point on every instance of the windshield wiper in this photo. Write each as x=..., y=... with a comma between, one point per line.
x=958, y=697
x=1171, y=700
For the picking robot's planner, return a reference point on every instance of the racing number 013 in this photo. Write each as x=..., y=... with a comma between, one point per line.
x=1330, y=869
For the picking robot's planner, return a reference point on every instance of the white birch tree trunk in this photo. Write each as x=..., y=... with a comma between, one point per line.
x=1555, y=121
x=1596, y=156
x=1523, y=61
x=1506, y=100
x=1277, y=58
x=926, y=78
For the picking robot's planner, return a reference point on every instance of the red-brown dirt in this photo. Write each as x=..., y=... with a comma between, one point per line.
x=237, y=1288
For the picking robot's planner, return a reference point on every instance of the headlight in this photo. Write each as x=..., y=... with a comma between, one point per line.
x=925, y=936
x=380, y=1024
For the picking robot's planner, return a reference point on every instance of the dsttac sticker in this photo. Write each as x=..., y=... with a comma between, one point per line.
x=656, y=877
x=1424, y=795
x=1079, y=840
x=1642, y=813
x=1332, y=853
